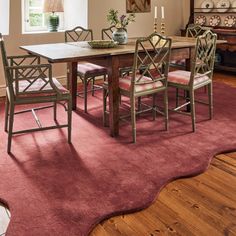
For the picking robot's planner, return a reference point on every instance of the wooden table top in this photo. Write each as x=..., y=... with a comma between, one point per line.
x=72, y=51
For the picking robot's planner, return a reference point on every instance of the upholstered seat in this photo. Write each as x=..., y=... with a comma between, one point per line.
x=145, y=83
x=183, y=77
x=89, y=69
x=31, y=88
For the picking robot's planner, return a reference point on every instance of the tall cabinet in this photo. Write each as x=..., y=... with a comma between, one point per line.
x=220, y=15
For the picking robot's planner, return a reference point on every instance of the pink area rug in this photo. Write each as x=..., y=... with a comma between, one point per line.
x=53, y=188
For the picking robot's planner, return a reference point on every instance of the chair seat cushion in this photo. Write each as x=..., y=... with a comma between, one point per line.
x=178, y=62
x=38, y=88
x=125, y=84
x=183, y=77
x=89, y=69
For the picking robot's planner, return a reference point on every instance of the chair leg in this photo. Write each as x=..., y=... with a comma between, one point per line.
x=11, y=119
x=210, y=98
x=104, y=107
x=192, y=105
x=177, y=98
x=55, y=111
x=166, y=110
x=154, y=113
x=6, y=114
x=69, y=115
x=92, y=85
x=85, y=95
x=133, y=118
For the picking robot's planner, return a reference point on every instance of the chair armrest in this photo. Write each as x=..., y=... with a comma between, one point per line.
x=23, y=60
x=33, y=72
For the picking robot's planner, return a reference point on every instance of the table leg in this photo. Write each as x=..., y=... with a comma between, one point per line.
x=72, y=81
x=113, y=81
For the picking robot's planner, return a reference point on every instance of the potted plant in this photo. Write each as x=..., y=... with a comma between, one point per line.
x=121, y=23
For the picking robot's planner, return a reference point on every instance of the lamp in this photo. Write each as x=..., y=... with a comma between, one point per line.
x=53, y=6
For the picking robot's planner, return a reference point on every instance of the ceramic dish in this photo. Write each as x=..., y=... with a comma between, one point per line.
x=223, y=5
x=215, y=20
x=200, y=20
x=207, y=6
x=230, y=21
x=102, y=43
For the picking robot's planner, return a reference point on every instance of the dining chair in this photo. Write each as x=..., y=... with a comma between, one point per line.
x=192, y=31
x=86, y=71
x=107, y=35
x=153, y=55
x=29, y=82
x=200, y=76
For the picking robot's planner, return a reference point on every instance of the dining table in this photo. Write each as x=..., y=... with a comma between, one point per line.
x=111, y=58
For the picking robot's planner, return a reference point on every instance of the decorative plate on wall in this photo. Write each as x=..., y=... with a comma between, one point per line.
x=207, y=6
x=223, y=5
x=200, y=20
x=230, y=21
x=215, y=20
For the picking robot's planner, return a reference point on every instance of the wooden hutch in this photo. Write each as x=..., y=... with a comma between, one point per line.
x=226, y=29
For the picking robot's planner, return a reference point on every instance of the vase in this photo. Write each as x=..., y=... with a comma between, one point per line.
x=120, y=36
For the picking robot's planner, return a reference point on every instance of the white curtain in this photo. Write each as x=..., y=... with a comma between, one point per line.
x=4, y=16
x=75, y=13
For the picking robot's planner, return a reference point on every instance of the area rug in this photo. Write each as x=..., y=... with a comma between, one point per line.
x=53, y=188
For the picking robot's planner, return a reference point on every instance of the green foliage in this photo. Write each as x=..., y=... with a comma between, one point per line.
x=119, y=21
x=36, y=19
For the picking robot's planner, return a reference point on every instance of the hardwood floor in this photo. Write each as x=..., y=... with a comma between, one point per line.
x=201, y=205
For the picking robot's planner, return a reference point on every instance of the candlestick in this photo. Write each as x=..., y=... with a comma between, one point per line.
x=155, y=15
x=162, y=28
x=155, y=25
x=162, y=13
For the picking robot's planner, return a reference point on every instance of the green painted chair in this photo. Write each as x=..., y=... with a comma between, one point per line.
x=29, y=82
x=154, y=56
x=86, y=71
x=200, y=76
x=192, y=31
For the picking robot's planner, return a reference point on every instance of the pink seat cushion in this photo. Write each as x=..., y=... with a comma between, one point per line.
x=183, y=77
x=89, y=69
x=125, y=84
x=178, y=62
x=38, y=88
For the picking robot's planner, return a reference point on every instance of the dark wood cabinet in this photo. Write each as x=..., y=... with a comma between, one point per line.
x=225, y=53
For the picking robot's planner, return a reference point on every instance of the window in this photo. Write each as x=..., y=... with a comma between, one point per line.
x=35, y=20
x=34, y=17
x=4, y=16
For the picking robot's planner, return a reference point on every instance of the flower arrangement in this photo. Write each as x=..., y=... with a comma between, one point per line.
x=120, y=22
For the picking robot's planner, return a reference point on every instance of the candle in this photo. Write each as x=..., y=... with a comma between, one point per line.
x=162, y=13
x=155, y=16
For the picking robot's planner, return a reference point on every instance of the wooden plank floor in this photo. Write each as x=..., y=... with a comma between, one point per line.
x=201, y=205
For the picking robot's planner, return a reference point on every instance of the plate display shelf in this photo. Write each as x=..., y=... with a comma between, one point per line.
x=226, y=53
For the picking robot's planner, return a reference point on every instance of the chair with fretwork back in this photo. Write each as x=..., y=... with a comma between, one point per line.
x=107, y=35
x=192, y=31
x=29, y=82
x=153, y=54
x=200, y=75
x=85, y=70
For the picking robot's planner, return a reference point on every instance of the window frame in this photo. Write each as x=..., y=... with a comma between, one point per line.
x=26, y=28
